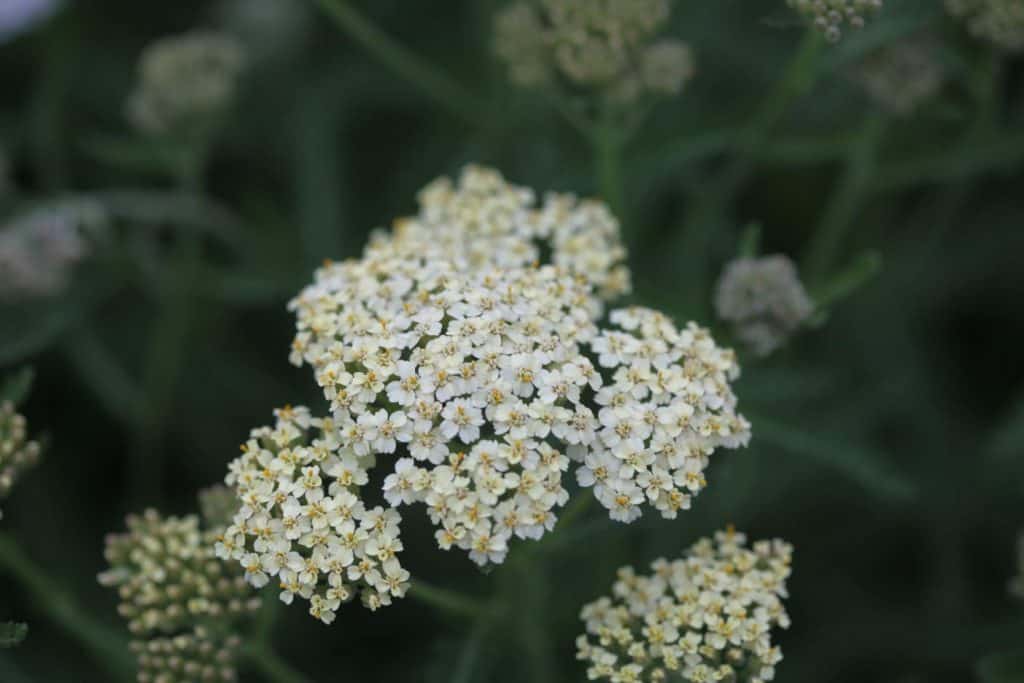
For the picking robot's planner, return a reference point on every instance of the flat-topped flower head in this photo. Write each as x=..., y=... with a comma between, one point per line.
x=605, y=46
x=17, y=451
x=474, y=382
x=832, y=16
x=185, y=83
x=1000, y=22
x=764, y=300
x=668, y=405
x=707, y=616
x=302, y=524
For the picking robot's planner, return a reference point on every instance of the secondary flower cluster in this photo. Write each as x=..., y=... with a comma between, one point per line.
x=829, y=16
x=764, y=300
x=302, y=522
x=39, y=249
x=667, y=408
x=902, y=76
x=181, y=603
x=451, y=356
x=17, y=452
x=185, y=82
x=1001, y=22
x=704, y=617
x=601, y=44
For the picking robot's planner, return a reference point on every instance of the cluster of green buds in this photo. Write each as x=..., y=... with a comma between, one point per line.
x=17, y=452
x=196, y=656
x=185, y=83
x=182, y=604
x=608, y=46
x=1000, y=22
x=830, y=16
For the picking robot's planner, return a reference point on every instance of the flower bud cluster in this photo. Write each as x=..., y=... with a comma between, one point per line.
x=830, y=16
x=704, y=617
x=39, y=249
x=606, y=45
x=764, y=300
x=668, y=406
x=185, y=82
x=181, y=603
x=902, y=76
x=196, y=656
x=17, y=452
x=1000, y=22
x=302, y=522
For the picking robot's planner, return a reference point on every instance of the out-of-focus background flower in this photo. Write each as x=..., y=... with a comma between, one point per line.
x=888, y=432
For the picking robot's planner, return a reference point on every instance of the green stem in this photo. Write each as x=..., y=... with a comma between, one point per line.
x=847, y=281
x=448, y=601
x=263, y=658
x=845, y=202
x=608, y=144
x=433, y=82
x=103, y=644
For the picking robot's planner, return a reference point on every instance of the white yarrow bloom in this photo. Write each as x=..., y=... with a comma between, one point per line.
x=704, y=617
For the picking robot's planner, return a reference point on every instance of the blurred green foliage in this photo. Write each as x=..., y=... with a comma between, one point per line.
x=887, y=441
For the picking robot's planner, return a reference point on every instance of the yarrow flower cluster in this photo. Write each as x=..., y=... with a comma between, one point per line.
x=481, y=220
x=601, y=44
x=667, y=407
x=181, y=603
x=1000, y=22
x=453, y=357
x=302, y=522
x=902, y=76
x=707, y=616
x=764, y=300
x=39, y=249
x=830, y=16
x=17, y=452
x=185, y=82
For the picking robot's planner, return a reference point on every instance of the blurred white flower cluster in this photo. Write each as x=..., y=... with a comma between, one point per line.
x=764, y=300
x=607, y=45
x=830, y=16
x=704, y=617
x=17, y=452
x=902, y=76
x=181, y=603
x=185, y=83
x=39, y=249
x=1001, y=22
x=453, y=357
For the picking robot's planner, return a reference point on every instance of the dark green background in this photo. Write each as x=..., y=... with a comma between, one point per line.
x=916, y=379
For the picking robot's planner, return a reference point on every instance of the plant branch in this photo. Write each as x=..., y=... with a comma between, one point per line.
x=448, y=601
x=263, y=658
